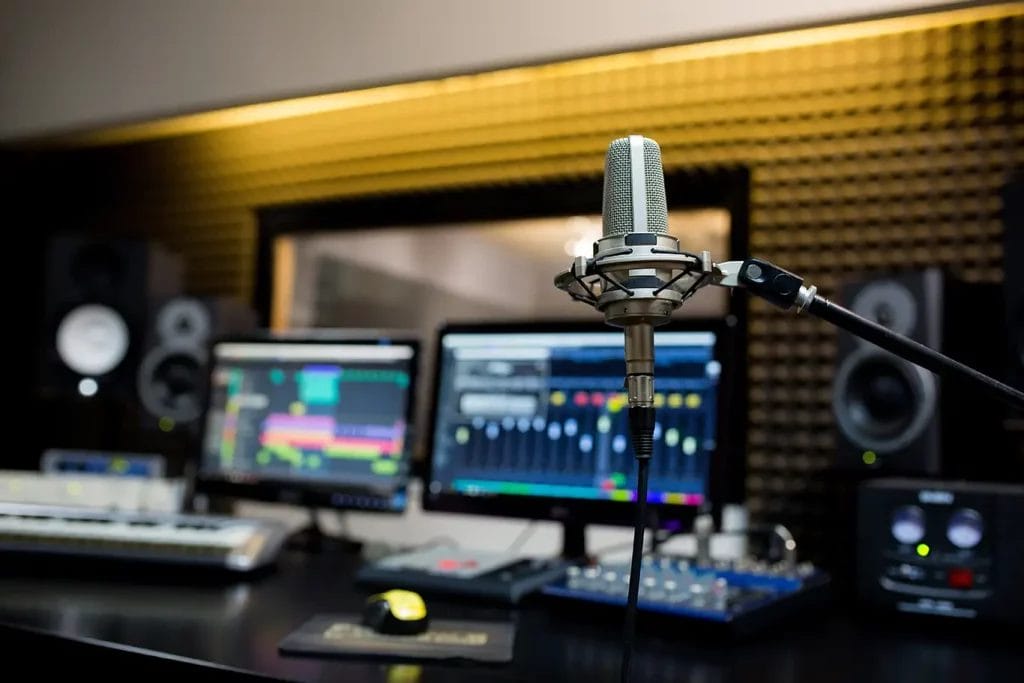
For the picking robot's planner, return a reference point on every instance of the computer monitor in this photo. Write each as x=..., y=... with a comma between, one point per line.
x=530, y=421
x=314, y=421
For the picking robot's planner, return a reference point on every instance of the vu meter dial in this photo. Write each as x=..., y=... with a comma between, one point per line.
x=908, y=524
x=965, y=528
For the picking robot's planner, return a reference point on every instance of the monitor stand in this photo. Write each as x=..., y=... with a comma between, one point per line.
x=574, y=541
x=313, y=539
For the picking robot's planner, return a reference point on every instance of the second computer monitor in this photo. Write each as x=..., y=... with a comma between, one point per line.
x=312, y=421
x=531, y=421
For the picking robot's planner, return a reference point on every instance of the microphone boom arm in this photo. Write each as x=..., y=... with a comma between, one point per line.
x=787, y=291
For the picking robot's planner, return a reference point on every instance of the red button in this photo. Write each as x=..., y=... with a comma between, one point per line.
x=450, y=565
x=960, y=578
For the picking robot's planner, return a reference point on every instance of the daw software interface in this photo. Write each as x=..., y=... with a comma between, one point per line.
x=325, y=416
x=543, y=414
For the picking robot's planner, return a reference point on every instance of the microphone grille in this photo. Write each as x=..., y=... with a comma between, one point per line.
x=617, y=209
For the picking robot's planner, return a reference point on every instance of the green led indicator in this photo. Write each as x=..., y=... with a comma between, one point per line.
x=384, y=467
x=923, y=549
x=869, y=457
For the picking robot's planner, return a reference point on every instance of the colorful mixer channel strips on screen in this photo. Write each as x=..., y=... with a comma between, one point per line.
x=543, y=414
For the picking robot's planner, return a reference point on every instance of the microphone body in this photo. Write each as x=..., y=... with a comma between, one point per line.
x=632, y=279
x=638, y=276
x=635, y=216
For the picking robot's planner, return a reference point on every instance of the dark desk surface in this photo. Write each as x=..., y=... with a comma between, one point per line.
x=238, y=624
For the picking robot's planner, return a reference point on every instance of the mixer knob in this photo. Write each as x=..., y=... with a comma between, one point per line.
x=965, y=529
x=719, y=593
x=908, y=524
x=572, y=576
x=657, y=593
x=698, y=595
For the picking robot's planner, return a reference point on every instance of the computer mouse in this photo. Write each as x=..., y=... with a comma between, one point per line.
x=396, y=612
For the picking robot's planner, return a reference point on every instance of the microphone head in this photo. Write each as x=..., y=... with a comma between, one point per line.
x=634, y=188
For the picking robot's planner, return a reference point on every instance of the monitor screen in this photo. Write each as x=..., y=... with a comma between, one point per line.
x=542, y=415
x=317, y=422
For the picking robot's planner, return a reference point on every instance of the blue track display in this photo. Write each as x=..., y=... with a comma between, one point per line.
x=544, y=415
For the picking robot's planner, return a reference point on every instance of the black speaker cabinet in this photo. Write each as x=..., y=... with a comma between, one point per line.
x=942, y=549
x=98, y=294
x=172, y=373
x=895, y=417
x=1013, y=272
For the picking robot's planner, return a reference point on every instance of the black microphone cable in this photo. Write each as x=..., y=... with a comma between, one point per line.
x=641, y=428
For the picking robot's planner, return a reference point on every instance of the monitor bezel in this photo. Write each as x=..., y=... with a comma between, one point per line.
x=726, y=464
x=310, y=493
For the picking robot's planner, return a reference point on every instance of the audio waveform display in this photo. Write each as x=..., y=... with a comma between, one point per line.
x=544, y=415
x=341, y=420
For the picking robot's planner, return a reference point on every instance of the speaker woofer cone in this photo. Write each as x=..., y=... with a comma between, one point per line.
x=880, y=402
x=171, y=382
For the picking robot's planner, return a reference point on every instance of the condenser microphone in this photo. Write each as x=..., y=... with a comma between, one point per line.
x=634, y=213
x=637, y=276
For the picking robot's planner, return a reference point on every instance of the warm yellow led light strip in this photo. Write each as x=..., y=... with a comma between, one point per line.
x=304, y=106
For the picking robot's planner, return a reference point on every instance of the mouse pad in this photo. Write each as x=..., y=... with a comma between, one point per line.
x=343, y=635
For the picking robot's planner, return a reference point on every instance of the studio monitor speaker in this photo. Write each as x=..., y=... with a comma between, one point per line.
x=895, y=417
x=172, y=372
x=98, y=294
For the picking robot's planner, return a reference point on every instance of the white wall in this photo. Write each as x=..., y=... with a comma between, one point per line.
x=78, y=64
